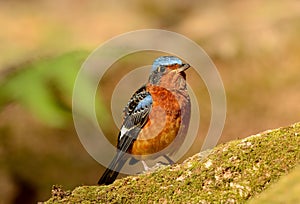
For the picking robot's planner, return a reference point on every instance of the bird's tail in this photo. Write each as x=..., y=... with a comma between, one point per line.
x=111, y=173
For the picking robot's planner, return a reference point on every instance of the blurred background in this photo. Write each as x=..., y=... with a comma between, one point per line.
x=254, y=44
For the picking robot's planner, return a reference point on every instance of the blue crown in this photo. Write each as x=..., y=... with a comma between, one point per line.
x=165, y=61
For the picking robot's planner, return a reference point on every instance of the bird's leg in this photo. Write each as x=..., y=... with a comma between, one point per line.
x=168, y=162
x=146, y=167
x=169, y=159
x=158, y=164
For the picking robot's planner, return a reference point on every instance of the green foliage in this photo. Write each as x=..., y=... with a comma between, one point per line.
x=44, y=87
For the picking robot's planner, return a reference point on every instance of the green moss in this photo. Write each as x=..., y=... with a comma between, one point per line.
x=230, y=173
x=286, y=190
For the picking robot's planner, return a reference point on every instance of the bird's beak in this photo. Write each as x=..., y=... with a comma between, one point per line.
x=183, y=68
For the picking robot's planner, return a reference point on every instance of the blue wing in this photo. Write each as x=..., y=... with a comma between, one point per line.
x=136, y=114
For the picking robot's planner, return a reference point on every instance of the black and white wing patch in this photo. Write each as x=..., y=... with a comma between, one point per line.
x=138, y=96
x=136, y=114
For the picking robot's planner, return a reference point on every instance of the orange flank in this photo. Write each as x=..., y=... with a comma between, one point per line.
x=163, y=124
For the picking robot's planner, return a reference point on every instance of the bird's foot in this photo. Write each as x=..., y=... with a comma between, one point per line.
x=158, y=165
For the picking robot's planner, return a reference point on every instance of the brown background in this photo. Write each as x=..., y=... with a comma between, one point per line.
x=254, y=44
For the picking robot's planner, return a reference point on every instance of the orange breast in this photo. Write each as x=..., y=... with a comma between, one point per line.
x=163, y=124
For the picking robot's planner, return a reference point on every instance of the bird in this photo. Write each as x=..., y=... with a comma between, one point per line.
x=155, y=119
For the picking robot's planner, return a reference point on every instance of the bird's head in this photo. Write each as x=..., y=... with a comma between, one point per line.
x=168, y=71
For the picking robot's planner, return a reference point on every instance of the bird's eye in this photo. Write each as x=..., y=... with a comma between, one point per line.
x=161, y=69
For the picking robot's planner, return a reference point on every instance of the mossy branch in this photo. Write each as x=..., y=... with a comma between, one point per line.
x=230, y=173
